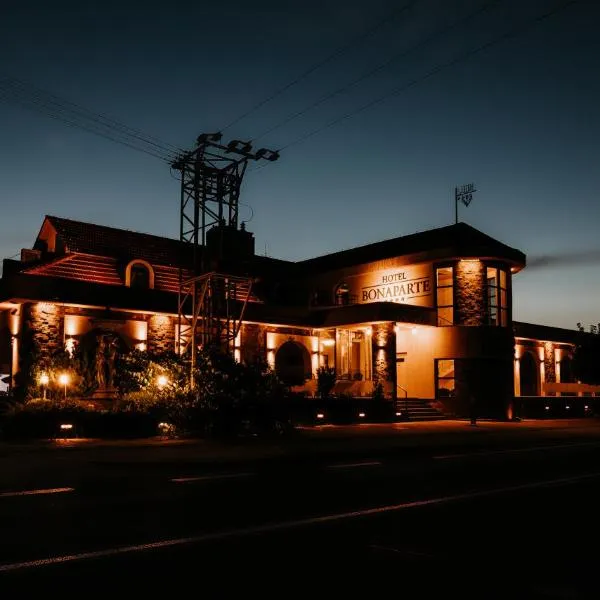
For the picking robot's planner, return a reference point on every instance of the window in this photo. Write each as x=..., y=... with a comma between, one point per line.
x=445, y=378
x=497, y=297
x=353, y=359
x=139, y=275
x=445, y=295
x=342, y=294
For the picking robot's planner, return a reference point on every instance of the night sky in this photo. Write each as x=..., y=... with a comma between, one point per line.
x=520, y=119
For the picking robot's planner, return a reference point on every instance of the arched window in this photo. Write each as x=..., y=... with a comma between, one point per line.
x=342, y=294
x=139, y=275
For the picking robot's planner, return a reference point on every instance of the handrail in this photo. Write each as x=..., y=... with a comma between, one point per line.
x=405, y=398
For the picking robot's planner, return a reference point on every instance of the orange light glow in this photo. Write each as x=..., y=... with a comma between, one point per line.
x=44, y=379
x=66, y=426
x=320, y=416
x=64, y=379
x=328, y=342
x=162, y=381
x=361, y=415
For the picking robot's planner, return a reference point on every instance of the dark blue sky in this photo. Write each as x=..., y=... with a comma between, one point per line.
x=520, y=119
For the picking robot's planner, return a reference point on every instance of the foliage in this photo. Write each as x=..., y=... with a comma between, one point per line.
x=42, y=418
x=225, y=395
x=378, y=395
x=586, y=360
x=136, y=371
x=325, y=381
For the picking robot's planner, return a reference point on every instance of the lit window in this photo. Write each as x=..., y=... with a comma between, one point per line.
x=497, y=297
x=445, y=295
x=445, y=379
x=353, y=355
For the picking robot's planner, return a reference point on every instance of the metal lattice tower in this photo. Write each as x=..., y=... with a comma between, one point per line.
x=211, y=304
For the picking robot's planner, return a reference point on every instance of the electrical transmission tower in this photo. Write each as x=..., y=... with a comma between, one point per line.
x=211, y=303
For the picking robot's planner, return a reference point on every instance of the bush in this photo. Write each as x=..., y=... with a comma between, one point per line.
x=42, y=419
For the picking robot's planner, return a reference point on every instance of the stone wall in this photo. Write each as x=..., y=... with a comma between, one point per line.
x=161, y=333
x=46, y=324
x=383, y=341
x=470, y=301
x=549, y=363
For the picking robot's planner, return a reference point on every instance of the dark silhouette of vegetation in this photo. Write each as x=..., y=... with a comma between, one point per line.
x=586, y=359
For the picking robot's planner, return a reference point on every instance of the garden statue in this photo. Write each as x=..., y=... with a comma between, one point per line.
x=101, y=362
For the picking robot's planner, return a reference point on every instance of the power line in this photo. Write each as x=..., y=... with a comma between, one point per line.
x=28, y=96
x=440, y=32
x=463, y=56
x=341, y=50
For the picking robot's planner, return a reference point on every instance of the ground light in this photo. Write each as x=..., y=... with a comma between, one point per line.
x=162, y=381
x=64, y=379
x=44, y=381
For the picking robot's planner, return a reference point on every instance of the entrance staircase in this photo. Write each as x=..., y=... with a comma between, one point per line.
x=418, y=409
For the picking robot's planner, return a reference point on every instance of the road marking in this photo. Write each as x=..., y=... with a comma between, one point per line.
x=211, y=477
x=37, y=492
x=285, y=525
x=514, y=450
x=401, y=551
x=374, y=463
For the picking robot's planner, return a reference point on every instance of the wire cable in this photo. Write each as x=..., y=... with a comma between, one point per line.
x=370, y=73
x=15, y=91
x=461, y=57
x=341, y=50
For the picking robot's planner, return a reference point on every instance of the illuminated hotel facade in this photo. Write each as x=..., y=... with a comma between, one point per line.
x=428, y=315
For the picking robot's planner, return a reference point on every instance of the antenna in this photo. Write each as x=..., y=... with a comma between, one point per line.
x=464, y=194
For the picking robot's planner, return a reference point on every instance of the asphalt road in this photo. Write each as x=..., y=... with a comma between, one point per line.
x=485, y=514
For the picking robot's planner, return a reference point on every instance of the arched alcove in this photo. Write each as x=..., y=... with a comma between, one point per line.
x=292, y=363
x=530, y=377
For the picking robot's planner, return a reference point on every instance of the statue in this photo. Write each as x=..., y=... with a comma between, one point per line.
x=101, y=362
x=111, y=358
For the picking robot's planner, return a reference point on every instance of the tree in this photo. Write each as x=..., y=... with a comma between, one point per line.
x=325, y=381
x=586, y=359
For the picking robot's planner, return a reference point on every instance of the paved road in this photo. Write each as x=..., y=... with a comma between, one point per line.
x=484, y=515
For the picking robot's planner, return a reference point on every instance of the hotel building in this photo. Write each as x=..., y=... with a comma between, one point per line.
x=428, y=315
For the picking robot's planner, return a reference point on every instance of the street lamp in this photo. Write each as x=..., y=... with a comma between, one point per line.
x=63, y=379
x=162, y=381
x=44, y=380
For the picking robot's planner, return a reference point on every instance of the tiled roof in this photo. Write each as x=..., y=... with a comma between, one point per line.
x=461, y=238
x=103, y=270
x=88, y=238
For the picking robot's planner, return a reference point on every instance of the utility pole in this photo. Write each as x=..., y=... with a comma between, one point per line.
x=210, y=304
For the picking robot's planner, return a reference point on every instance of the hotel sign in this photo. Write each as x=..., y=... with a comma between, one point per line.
x=406, y=285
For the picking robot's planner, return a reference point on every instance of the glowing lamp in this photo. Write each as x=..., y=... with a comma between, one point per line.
x=66, y=426
x=63, y=379
x=361, y=415
x=328, y=342
x=162, y=381
x=320, y=416
x=44, y=379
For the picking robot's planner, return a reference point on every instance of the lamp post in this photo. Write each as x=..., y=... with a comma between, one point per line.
x=162, y=381
x=63, y=379
x=44, y=380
